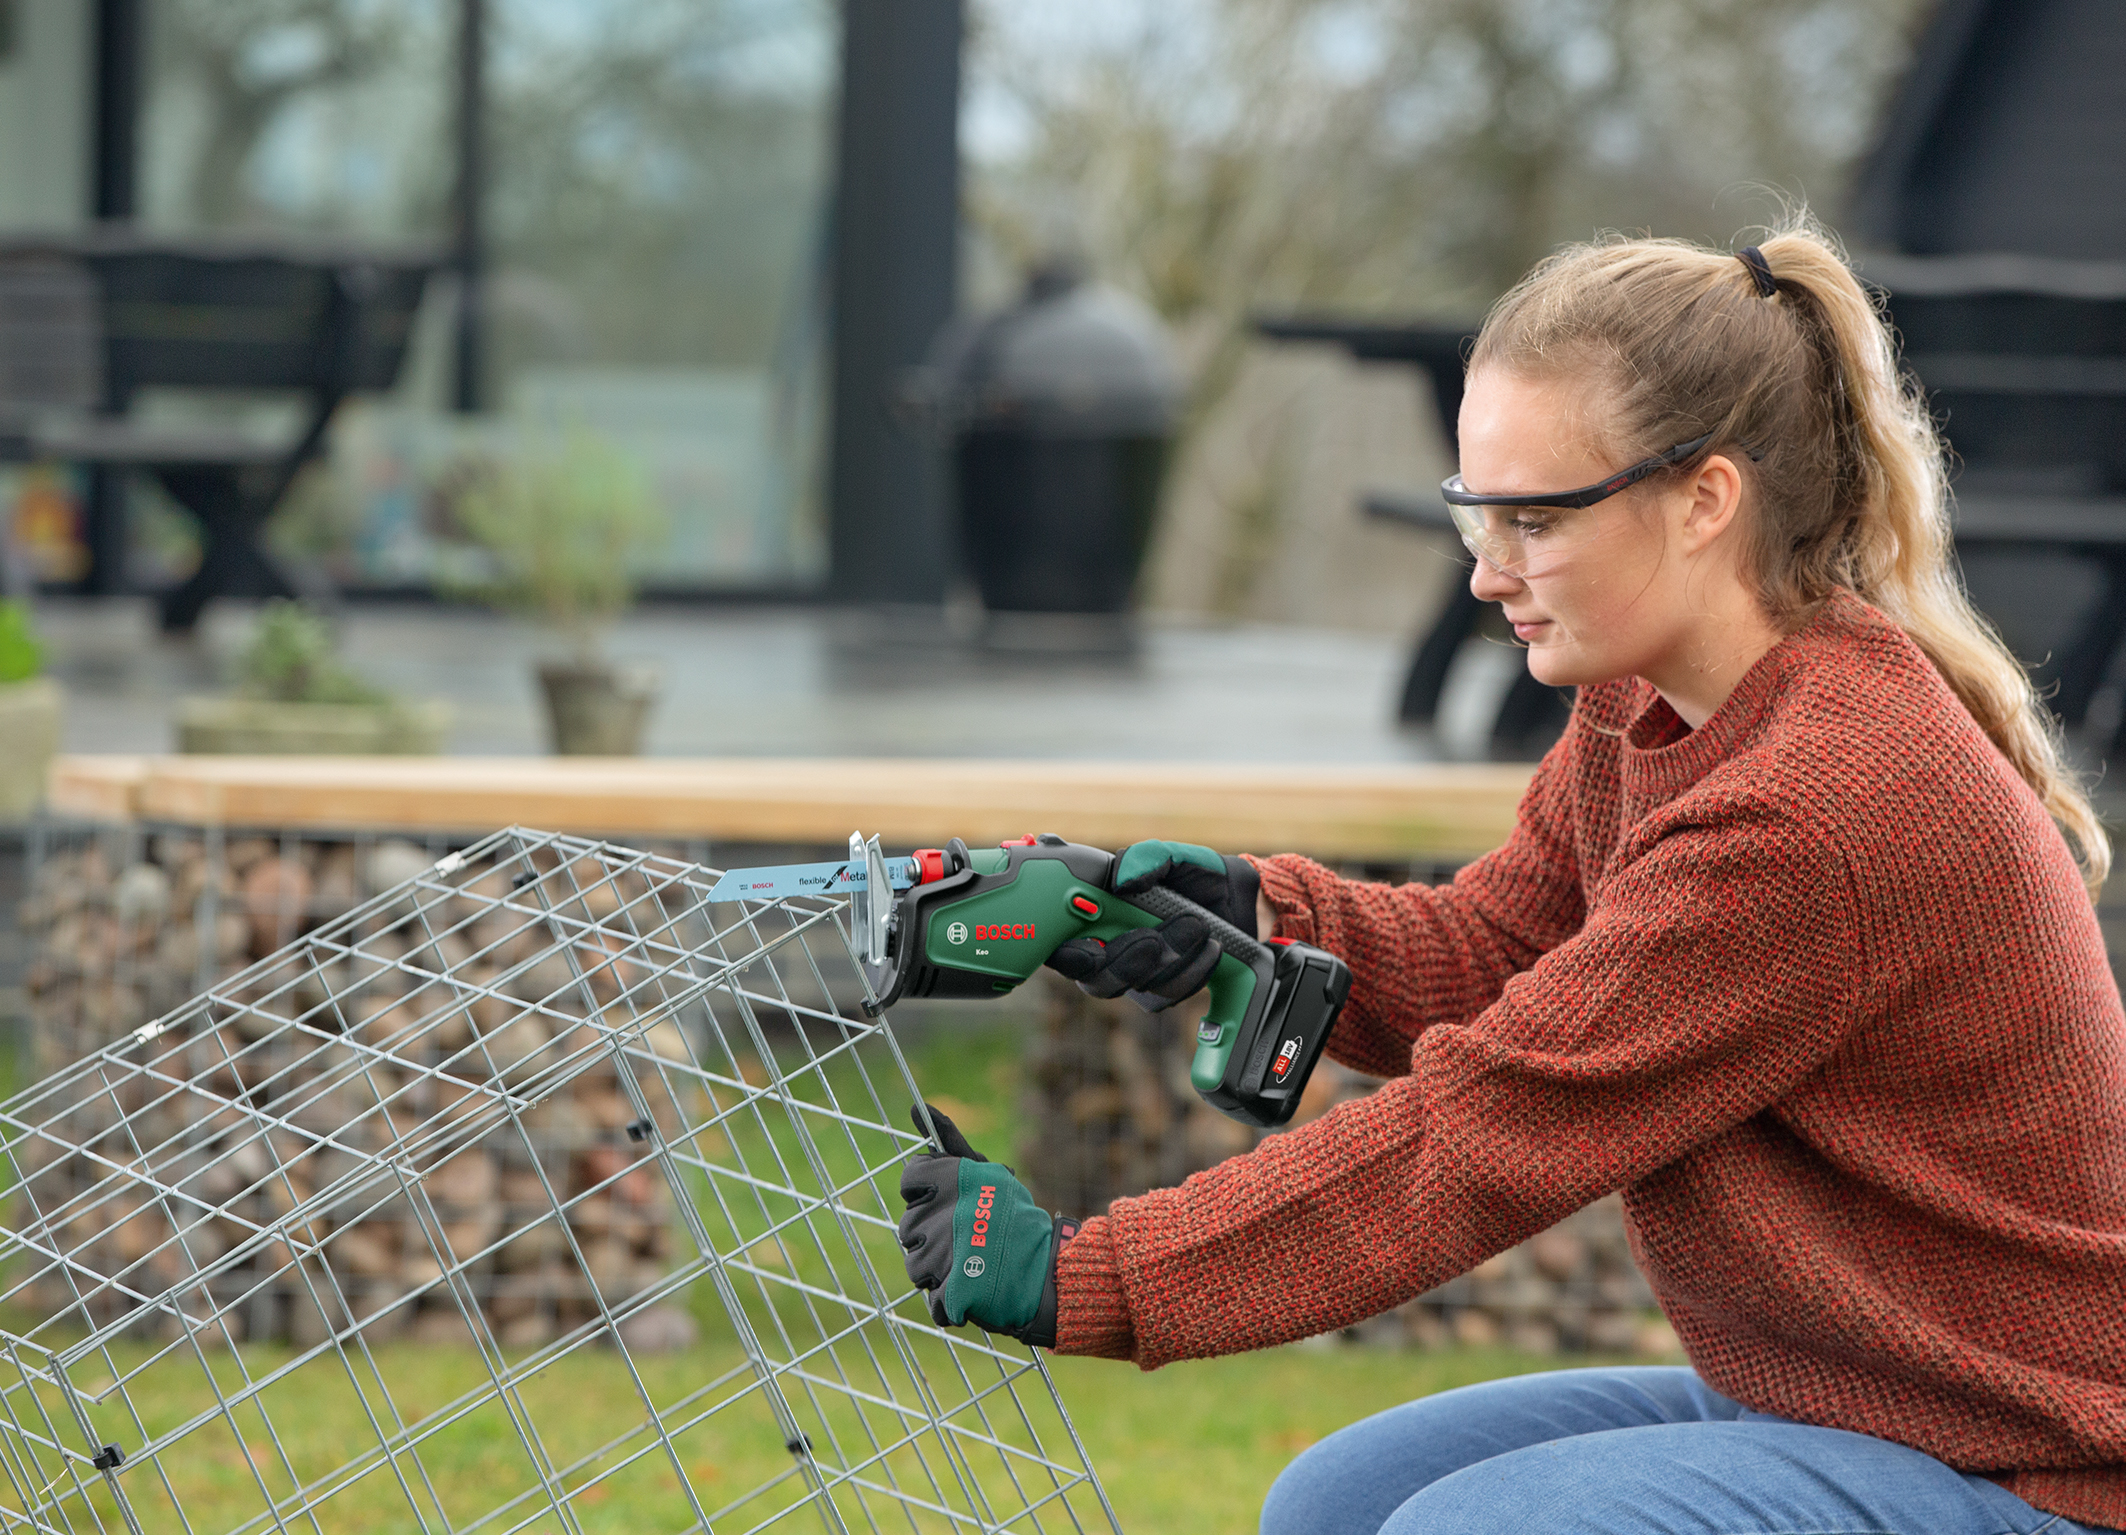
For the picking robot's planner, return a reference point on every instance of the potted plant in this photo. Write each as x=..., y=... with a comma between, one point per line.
x=295, y=697
x=29, y=714
x=562, y=533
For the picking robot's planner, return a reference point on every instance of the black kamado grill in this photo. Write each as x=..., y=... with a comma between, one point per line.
x=1057, y=414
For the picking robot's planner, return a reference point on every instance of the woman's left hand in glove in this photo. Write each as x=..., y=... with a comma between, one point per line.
x=973, y=1239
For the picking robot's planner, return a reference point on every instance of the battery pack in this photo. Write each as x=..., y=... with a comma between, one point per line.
x=1266, y=1073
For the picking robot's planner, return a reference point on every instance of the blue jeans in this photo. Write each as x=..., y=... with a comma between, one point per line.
x=1625, y=1452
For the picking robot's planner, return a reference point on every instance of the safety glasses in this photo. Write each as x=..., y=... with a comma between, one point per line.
x=1509, y=531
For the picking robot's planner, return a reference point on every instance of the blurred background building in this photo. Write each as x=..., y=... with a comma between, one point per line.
x=636, y=194
x=721, y=236
x=644, y=195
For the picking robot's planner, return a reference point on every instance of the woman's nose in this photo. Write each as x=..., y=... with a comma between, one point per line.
x=1488, y=583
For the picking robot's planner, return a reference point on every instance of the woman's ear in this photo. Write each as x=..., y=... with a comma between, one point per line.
x=1715, y=493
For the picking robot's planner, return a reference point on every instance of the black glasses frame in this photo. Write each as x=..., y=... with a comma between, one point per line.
x=1458, y=494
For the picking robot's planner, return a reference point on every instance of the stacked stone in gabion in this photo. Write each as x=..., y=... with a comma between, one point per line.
x=129, y=924
x=396, y=1020
x=1109, y=1103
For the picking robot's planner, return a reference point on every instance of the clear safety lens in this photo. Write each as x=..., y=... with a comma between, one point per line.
x=1521, y=540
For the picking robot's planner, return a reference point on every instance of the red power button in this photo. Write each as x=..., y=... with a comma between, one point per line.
x=1089, y=908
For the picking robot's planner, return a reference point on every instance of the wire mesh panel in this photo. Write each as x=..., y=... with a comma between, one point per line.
x=236, y=1234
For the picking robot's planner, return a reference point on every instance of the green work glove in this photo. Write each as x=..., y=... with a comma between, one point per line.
x=974, y=1239
x=1159, y=966
x=1223, y=885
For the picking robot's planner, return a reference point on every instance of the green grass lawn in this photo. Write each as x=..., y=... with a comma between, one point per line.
x=1191, y=1449
x=1188, y=1449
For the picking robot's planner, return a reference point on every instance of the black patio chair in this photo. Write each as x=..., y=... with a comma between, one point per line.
x=87, y=325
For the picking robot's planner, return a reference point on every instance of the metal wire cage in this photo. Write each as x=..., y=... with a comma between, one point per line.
x=374, y=1136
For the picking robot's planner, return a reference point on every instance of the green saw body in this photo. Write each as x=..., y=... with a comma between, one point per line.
x=982, y=921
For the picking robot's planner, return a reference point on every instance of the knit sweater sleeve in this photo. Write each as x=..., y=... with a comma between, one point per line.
x=1717, y=971
x=1426, y=954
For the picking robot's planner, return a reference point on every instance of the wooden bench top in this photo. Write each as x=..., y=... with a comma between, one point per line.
x=1438, y=813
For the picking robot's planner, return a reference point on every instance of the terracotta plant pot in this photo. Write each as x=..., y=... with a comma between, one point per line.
x=597, y=710
x=260, y=727
x=29, y=738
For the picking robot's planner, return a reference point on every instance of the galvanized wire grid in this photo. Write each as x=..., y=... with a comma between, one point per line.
x=214, y=1178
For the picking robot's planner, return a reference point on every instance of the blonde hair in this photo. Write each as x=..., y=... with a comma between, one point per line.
x=1848, y=481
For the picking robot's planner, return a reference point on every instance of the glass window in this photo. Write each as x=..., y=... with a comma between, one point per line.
x=325, y=115
x=659, y=173
x=662, y=170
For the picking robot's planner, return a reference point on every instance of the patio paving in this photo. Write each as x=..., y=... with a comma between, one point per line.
x=790, y=681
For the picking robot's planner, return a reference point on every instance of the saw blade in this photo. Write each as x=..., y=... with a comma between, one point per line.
x=841, y=876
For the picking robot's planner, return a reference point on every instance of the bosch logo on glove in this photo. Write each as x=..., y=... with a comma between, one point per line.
x=981, y=1224
x=957, y=932
x=1286, y=1058
x=999, y=932
x=973, y=1267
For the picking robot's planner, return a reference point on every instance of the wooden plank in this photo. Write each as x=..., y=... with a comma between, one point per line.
x=100, y=788
x=1418, y=812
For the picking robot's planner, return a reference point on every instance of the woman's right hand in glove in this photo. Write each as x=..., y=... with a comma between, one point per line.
x=1159, y=966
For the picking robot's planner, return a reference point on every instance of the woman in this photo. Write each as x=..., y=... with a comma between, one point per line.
x=1790, y=945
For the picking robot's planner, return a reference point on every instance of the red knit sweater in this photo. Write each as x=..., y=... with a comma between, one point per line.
x=1816, y=985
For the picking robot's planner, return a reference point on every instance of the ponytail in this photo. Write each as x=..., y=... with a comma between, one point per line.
x=1787, y=353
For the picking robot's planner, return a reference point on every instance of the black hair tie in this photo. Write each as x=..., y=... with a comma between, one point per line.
x=1760, y=270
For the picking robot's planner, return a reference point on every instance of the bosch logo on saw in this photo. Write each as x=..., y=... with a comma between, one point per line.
x=957, y=932
x=1285, y=1059
x=999, y=932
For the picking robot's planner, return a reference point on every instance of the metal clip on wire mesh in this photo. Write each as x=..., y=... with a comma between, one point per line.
x=540, y=1098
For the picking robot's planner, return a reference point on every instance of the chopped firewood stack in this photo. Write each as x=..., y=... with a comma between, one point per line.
x=1112, y=1114
x=364, y=1053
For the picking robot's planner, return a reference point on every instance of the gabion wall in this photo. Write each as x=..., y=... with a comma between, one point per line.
x=128, y=924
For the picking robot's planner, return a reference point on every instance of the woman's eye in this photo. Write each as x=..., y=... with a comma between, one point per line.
x=1530, y=527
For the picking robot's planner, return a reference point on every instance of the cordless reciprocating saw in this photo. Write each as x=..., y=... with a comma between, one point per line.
x=960, y=922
